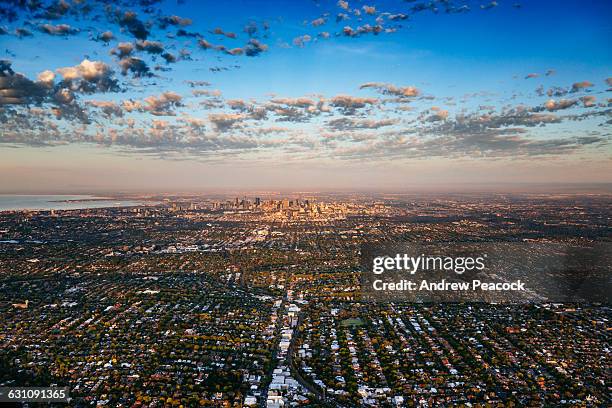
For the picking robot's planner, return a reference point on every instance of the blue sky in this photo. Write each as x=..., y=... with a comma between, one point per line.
x=498, y=84
x=493, y=45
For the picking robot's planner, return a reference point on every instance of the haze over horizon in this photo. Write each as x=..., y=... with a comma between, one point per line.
x=323, y=95
x=435, y=190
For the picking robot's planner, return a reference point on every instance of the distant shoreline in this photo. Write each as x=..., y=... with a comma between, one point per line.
x=84, y=200
x=67, y=202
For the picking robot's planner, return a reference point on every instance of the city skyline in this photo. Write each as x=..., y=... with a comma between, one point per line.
x=357, y=95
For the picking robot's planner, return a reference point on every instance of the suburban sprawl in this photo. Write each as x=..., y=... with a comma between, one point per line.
x=226, y=301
